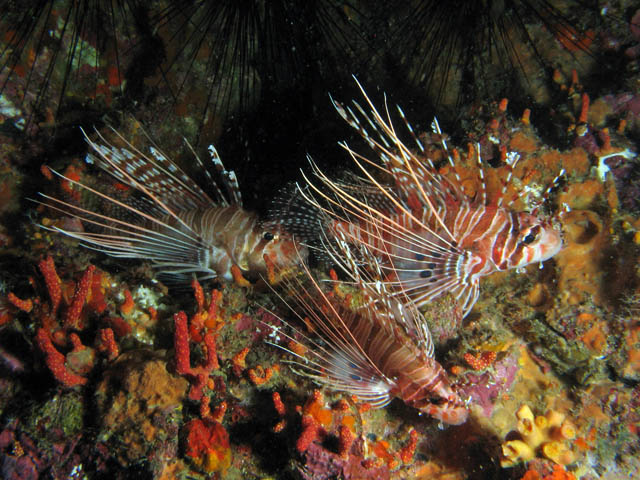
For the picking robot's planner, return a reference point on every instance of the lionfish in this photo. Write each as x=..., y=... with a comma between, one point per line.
x=428, y=235
x=367, y=342
x=154, y=211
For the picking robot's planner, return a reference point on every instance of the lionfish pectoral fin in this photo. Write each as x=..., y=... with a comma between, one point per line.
x=427, y=273
x=142, y=235
x=333, y=364
x=356, y=377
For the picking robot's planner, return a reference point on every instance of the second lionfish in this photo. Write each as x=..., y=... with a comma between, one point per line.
x=151, y=210
x=429, y=237
x=366, y=342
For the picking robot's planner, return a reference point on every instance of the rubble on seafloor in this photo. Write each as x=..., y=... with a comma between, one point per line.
x=107, y=373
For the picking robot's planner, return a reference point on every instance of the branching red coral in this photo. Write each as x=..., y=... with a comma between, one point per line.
x=310, y=432
x=200, y=373
x=56, y=361
x=73, y=319
x=52, y=281
x=281, y=411
x=407, y=452
x=198, y=293
x=239, y=361
x=181, y=343
x=24, y=305
x=108, y=343
x=345, y=440
x=55, y=335
x=260, y=375
x=277, y=404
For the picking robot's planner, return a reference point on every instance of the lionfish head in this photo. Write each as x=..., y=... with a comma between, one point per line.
x=538, y=239
x=277, y=250
x=447, y=406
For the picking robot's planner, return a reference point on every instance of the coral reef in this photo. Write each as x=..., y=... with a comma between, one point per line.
x=106, y=372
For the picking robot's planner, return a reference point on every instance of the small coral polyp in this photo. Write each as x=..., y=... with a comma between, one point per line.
x=546, y=435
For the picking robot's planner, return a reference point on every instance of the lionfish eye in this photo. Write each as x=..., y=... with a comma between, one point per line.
x=529, y=238
x=268, y=236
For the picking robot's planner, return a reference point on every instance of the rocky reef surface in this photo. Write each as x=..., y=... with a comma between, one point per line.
x=106, y=372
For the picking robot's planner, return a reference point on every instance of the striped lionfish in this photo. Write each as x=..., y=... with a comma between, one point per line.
x=429, y=236
x=156, y=212
x=371, y=344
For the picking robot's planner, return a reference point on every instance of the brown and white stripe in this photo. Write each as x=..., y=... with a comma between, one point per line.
x=168, y=219
x=376, y=348
x=429, y=237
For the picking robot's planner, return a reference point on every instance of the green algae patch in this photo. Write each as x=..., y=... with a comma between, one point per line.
x=61, y=414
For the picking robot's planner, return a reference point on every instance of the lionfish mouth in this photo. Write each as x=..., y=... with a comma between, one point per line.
x=553, y=240
x=451, y=414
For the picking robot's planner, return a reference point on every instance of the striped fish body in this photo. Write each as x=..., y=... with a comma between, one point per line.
x=232, y=236
x=488, y=240
x=429, y=237
x=413, y=374
x=371, y=345
x=502, y=237
x=152, y=210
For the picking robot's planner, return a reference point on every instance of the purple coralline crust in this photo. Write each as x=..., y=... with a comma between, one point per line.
x=627, y=181
x=588, y=143
x=484, y=388
x=25, y=466
x=623, y=103
x=7, y=438
x=625, y=106
x=19, y=468
x=260, y=328
x=321, y=464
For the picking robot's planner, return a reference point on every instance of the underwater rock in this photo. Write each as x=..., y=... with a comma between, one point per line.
x=140, y=408
x=580, y=272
